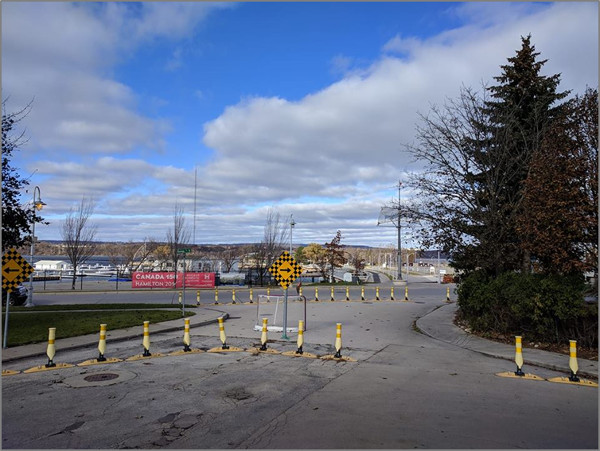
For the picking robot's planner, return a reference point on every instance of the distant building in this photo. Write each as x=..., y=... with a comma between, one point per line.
x=51, y=265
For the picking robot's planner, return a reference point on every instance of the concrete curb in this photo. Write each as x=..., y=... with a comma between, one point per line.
x=438, y=324
x=84, y=341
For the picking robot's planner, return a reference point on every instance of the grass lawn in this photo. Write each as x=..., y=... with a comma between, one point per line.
x=28, y=327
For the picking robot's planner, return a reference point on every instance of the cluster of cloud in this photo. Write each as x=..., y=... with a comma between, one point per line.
x=330, y=158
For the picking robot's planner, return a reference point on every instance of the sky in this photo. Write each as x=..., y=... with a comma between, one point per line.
x=227, y=110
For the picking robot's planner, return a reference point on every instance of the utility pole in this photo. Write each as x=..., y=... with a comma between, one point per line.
x=399, y=257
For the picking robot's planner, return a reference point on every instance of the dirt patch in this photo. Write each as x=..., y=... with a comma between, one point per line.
x=582, y=352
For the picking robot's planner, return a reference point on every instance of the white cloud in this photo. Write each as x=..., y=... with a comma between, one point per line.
x=330, y=158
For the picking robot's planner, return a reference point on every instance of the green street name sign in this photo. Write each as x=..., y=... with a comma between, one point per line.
x=184, y=251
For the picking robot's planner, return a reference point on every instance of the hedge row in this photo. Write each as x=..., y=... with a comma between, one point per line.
x=539, y=307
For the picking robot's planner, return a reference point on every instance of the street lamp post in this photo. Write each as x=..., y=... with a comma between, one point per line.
x=284, y=336
x=37, y=204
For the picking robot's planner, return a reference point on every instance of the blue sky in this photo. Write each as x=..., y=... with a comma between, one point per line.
x=300, y=107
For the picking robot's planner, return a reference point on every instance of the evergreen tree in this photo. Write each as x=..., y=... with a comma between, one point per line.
x=519, y=113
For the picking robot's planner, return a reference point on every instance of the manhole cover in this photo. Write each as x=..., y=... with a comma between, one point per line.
x=100, y=377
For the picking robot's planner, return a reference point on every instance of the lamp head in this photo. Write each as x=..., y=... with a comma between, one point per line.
x=39, y=205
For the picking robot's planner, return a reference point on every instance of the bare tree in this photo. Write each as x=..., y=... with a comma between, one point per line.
x=177, y=236
x=274, y=242
x=132, y=254
x=78, y=235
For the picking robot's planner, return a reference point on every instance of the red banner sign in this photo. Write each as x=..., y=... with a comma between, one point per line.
x=167, y=279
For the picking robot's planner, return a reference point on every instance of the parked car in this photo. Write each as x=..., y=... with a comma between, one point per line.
x=18, y=296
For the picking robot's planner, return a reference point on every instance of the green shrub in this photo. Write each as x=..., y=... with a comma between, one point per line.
x=541, y=307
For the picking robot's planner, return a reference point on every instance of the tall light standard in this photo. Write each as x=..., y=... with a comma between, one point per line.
x=37, y=204
x=285, y=301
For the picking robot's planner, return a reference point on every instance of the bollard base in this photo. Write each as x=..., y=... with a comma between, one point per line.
x=184, y=352
x=10, y=372
x=228, y=349
x=524, y=376
x=57, y=366
x=144, y=357
x=263, y=351
x=566, y=380
x=338, y=359
x=99, y=362
x=306, y=355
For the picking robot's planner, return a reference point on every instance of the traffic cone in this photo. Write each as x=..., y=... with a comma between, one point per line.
x=519, y=361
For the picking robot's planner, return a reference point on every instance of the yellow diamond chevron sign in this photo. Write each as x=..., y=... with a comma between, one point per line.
x=15, y=270
x=285, y=269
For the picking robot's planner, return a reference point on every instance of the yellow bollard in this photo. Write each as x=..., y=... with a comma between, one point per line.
x=268, y=291
x=316, y=293
x=263, y=335
x=198, y=297
x=233, y=296
x=406, y=293
x=179, y=298
x=519, y=356
x=377, y=294
x=392, y=293
x=332, y=298
x=448, y=294
x=146, y=339
x=102, y=343
x=338, y=341
x=251, y=293
x=300, y=292
x=347, y=293
x=51, y=350
x=186, y=335
x=362, y=293
x=573, y=361
x=222, y=333
x=300, y=337
x=216, y=295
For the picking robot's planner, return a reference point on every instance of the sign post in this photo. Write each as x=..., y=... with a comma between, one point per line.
x=15, y=270
x=285, y=270
x=183, y=251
